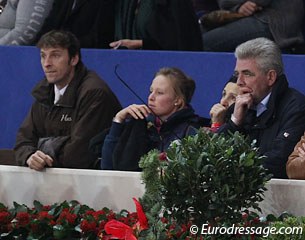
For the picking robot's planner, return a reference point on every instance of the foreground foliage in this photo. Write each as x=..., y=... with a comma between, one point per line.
x=206, y=179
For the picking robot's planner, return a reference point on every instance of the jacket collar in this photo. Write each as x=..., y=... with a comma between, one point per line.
x=43, y=92
x=176, y=118
x=279, y=88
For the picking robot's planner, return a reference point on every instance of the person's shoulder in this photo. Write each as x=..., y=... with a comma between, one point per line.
x=293, y=100
x=296, y=92
x=92, y=81
x=296, y=95
x=199, y=121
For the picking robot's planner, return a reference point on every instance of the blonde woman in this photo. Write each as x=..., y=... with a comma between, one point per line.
x=168, y=116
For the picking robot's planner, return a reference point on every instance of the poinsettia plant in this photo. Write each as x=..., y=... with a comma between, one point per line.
x=66, y=220
x=120, y=230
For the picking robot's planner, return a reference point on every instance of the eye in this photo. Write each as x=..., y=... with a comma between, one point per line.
x=249, y=74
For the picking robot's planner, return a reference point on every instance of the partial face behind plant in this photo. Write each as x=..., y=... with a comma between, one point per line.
x=229, y=94
x=162, y=98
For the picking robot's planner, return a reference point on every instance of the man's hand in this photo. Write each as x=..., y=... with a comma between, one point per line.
x=128, y=43
x=39, y=160
x=243, y=102
x=218, y=113
x=249, y=8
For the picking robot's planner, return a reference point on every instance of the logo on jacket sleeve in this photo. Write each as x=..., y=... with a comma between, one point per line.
x=66, y=118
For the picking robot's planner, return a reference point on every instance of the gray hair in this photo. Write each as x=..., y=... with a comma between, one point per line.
x=266, y=53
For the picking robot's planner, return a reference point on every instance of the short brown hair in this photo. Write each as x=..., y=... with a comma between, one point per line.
x=63, y=39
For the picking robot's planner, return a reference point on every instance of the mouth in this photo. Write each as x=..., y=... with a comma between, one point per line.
x=50, y=72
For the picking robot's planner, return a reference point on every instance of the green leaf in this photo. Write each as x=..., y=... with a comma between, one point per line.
x=60, y=232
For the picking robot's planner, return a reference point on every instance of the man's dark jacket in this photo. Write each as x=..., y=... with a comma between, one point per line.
x=278, y=129
x=63, y=130
x=91, y=21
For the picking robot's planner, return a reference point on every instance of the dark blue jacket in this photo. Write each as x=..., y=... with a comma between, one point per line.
x=278, y=129
x=126, y=143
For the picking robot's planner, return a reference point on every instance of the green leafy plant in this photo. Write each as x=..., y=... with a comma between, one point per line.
x=288, y=227
x=206, y=178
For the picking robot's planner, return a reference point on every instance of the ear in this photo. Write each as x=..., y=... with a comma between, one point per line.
x=271, y=75
x=179, y=102
x=74, y=60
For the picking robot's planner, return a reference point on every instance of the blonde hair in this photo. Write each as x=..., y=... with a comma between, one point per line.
x=183, y=85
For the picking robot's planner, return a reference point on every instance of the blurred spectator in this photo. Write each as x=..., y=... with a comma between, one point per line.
x=156, y=24
x=92, y=22
x=21, y=20
x=277, y=20
x=296, y=162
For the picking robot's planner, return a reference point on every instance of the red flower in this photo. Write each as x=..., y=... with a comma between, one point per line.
x=124, y=220
x=133, y=218
x=89, y=212
x=119, y=230
x=46, y=208
x=162, y=156
x=98, y=214
x=4, y=218
x=87, y=226
x=164, y=220
x=143, y=222
x=44, y=216
x=111, y=215
x=123, y=231
x=256, y=220
x=69, y=217
x=23, y=218
x=244, y=216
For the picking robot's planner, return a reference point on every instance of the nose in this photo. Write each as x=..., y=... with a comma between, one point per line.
x=224, y=102
x=46, y=61
x=240, y=80
x=151, y=96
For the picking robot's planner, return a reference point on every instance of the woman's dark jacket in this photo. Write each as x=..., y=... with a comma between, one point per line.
x=278, y=129
x=161, y=24
x=126, y=143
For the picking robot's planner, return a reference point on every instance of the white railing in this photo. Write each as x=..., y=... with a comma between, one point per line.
x=115, y=189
